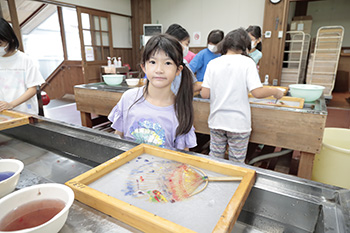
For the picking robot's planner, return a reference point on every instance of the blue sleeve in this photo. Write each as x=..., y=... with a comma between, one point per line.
x=197, y=62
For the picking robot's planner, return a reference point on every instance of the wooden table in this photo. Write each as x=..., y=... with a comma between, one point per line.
x=295, y=129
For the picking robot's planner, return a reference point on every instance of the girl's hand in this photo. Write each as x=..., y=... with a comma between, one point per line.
x=4, y=106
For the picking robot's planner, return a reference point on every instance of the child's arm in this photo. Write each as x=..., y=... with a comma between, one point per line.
x=119, y=133
x=205, y=93
x=197, y=86
x=29, y=93
x=262, y=92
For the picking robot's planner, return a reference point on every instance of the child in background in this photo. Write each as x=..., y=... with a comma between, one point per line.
x=183, y=37
x=190, y=55
x=254, y=33
x=19, y=75
x=227, y=82
x=152, y=114
x=200, y=61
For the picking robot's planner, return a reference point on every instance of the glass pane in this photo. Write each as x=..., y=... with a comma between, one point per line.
x=105, y=39
x=96, y=23
x=98, y=52
x=106, y=52
x=85, y=20
x=98, y=38
x=104, y=24
x=71, y=30
x=44, y=44
x=87, y=37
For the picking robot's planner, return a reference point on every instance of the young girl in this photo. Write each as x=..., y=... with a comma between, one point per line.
x=153, y=114
x=227, y=81
x=19, y=76
x=200, y=61
x=183, y=37
x=254, y=33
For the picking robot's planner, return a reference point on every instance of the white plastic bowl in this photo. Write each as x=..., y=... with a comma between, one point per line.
x=39, y=192
x=10, y=165
x=308, y=92
x=113, y=79
x=132, y=81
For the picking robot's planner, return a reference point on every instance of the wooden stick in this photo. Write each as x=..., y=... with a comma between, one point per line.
x=221, y=178
x=224, y=178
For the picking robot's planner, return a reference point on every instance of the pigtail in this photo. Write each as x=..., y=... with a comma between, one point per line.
x=183, y=102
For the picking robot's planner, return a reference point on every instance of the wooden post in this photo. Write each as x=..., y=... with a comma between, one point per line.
x=15, y=22
x=86, y=119
x=275, y=21
x=306, y=164
x=1, y=11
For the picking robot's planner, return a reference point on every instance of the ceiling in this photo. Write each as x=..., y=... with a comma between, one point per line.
x=26, y=10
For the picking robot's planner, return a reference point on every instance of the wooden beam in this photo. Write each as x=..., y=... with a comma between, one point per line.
x=35, y=13
x=1, y=11
x=275, y=21
x=15, y=22
x=62, y=32
x=141, y=14
x=305, y=165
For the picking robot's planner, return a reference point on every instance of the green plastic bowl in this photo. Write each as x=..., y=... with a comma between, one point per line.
x=308, y=92
x=113, y=79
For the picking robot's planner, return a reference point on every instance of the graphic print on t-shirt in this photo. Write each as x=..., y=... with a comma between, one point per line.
x=148, y=131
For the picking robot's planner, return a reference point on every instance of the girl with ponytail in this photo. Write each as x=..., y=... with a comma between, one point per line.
x=153, y=114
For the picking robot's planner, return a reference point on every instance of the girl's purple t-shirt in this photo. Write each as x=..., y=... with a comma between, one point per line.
x=146, y=123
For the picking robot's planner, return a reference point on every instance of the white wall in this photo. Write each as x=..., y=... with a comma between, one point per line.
x=116, y=6
x=206, y=15
x=330, y=13
x=121, y=31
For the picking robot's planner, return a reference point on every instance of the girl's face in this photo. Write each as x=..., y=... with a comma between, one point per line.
x=254, y=41
x=3, y=45
x=185, y=43
x=161, y=70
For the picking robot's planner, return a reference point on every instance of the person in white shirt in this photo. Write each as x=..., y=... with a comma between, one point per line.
x=227, y=81
x=19, y=74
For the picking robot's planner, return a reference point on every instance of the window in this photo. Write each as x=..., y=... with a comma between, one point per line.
x=96, y=35
x=71, y=30
x=43, y=43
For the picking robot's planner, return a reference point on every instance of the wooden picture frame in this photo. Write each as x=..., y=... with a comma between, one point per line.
x=299, y=101
x=144, y=220
x=16, y=119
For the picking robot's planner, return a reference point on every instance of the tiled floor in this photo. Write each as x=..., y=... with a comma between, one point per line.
x=63, y=110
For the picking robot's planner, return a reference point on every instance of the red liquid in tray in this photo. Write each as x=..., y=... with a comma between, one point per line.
x=31, y=214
